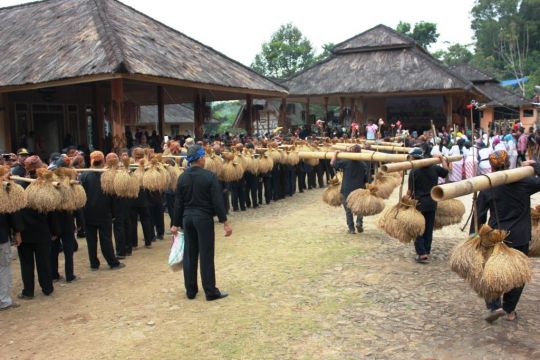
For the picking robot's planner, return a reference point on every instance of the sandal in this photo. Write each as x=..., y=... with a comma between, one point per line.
x=514, y=314
x=422, y=259
x=494, y=315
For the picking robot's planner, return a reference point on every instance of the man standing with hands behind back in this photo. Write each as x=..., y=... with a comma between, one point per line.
x=198, y=199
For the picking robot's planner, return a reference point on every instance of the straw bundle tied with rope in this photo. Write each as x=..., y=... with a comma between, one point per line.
x=365, y=202
x=386, y=184
x=67, y=192
x=275, y=155
x=332, y=194
x=126, y=184
x=449, y=212
x=292, y=157
x=173, y=173
x=107, y=178
x=12, y=195
x=139, y=171
x=266, y=164
x=42, y=194
x=156, y=178
x=252, y=164
x=490, y=266
x=213, y=162
x=402, y=221
x=232, y=169
x=534, y=246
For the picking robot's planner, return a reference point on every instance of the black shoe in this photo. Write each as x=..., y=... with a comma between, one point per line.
x=149, y=246
x=120, y=257
x=129, y=254
x=57, y=278
x=72, y=279
x=351, y=231
x=47, y=293
x=24, y=297
x=244, y=209
x=359, y=229
x=221, y=295
x=94, y=268
x=160, y=237
x=118, y=267
x=81, y=234
x=191, y=296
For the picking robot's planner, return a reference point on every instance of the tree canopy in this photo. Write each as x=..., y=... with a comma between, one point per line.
x=455, y=54
x=425, y=33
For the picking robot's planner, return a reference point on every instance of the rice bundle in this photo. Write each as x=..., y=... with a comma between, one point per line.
x=490, y=266
x=232, y=171
x=292, y=158
x=12, y=195
x=275, y=155
x=534, y=246
x=403, y=221
x=43, y=195
x=397, y=177
x=126, y=183
x=174, y=173
x=332, y=194
x=213, y=163
x=365, y=202
x=139, y=171
x=156, y=178
x=79, y=195
x=449, y=212
x=107, y=178
x=252, y=165
x=266, y=164
x=385, y=184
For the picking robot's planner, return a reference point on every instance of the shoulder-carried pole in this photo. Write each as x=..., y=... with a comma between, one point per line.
x=414, y=164
x=373, y=156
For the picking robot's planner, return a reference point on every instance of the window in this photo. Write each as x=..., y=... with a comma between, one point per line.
x=528, y=113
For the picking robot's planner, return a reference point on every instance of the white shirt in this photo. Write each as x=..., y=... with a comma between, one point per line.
x=370, y=131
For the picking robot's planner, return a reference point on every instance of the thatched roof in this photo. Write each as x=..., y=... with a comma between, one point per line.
x=174, y=114
x=377, y=61
x=62, y=39
x=488, y=86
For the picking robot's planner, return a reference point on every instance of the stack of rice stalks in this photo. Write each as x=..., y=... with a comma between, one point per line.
x=365, y=202
x=72, y=192
x=310, y=162
x=156, y=177
x=126, y=183
x=173, y=172
x=232, y=168
x=534, y=246
x=12, y=195
x=488, y=265
x=403, y=221
x=276, y=155
x=291, y=157
x=386, y=183
x=43, y=194
x=449, y=212
x=266, y=164
x=252, y=163
x=213, y=162
x=111, y=169
x=332, y=194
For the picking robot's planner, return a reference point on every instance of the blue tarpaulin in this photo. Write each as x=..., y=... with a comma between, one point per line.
x=514, y=82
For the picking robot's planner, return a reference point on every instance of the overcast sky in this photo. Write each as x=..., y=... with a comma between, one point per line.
x=237, y=28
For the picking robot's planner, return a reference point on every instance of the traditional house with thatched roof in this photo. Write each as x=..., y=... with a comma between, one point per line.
x=502, y=106
x=381, y=73
x=84, y=67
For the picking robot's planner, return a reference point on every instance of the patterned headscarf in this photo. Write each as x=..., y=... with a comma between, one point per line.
x=498, y=160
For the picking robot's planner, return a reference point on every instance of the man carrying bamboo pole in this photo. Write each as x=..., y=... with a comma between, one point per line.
x=421, y=181
x=509, y=207
x=355, y=176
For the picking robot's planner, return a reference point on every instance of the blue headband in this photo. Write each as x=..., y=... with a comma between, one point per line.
x=194, y=157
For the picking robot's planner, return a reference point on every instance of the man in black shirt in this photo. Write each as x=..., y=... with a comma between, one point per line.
x=355, y=176
x=198, y=199
x=421, y=181
x=509, y=207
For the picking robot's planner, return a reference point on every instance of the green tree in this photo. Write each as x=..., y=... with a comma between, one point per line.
x=327, y=51
x=455, y=54
x=425, y=33
x=287, y=53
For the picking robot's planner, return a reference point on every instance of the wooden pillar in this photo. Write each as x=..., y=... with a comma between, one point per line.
x=5, y=121
x=325, y=106
x=199, y=116
x=449, y=110
x=99, y=119
x=341, y=110
x=308, y=120
x=117, y=121
x=161, y=110
x=353, y=109
x=249, y=114
x=359, y=107
x=282, y=120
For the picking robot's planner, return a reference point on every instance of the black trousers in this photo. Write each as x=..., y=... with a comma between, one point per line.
x=142, y=213
x=35, y=255
x=169, y=201
x=319, y=171
x=510, y=299
x=251, y=190
x=266, y=182
x=105, y=242
x=226, y=193
x=277, y=192
x=301, y=181
x=238, y=195
x=290, y=180
x=65, y=243
x=199, y=241
x=328, y=169
x=157, y=215
x=422, y=244
x=311, y=179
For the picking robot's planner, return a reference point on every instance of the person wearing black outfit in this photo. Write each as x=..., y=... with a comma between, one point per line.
x=139, y=209
x=421, y=181
x=355, y=176
x=198, y=199
x=509, y=207
x=98, y=215
x=157, y=214
x=8, y=223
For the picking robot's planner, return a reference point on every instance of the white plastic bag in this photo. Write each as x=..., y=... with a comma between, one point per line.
x=177, y=252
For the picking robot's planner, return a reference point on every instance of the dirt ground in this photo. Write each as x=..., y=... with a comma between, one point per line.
x=300, y=288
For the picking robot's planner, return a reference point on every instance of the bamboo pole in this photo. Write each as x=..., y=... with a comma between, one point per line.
x=479, y=183
x=375, y=156
x=375, y=142
x=414, y=164
x=400, y=149
x=91, y=170
x=29, y=180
